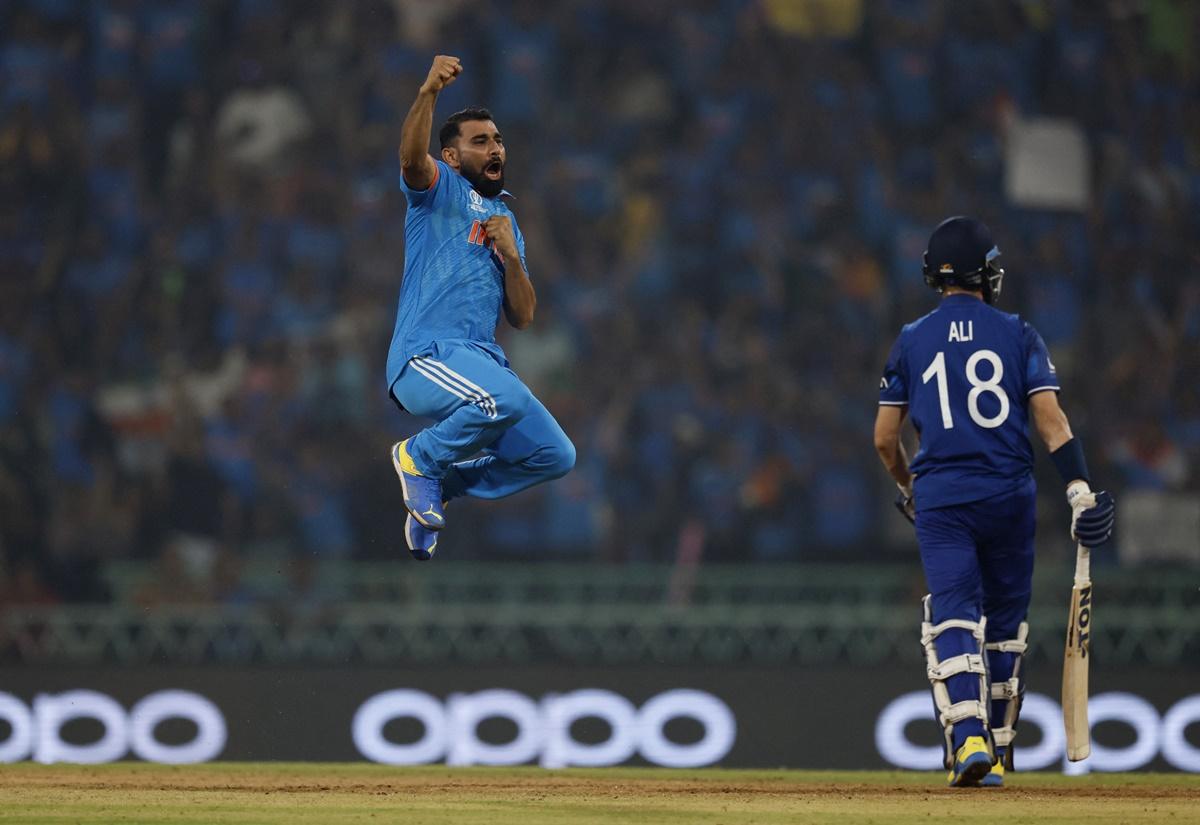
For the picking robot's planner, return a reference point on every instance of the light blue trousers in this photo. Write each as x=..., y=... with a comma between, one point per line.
x=480, y=405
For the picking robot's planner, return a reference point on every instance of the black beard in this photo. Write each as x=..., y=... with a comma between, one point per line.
x=484, y=185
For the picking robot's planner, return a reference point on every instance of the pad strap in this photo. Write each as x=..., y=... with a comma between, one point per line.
x=1017, y=645
x=963, y=663
x=1010, y=689
x=929, y=632
x=967, y=709
x=1008, y=646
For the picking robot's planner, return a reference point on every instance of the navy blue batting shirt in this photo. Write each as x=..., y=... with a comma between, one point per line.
x=966, y=372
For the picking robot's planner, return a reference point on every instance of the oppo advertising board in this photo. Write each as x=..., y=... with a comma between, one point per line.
x=561, y=717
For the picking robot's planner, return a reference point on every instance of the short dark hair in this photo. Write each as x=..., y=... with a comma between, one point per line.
x=450, y=130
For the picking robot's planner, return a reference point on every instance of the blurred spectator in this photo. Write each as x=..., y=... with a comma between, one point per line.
x=1149, y=459
x=259, y=121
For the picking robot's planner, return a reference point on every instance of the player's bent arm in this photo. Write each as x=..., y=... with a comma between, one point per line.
x=520, y=300
x=416, y=165
x=1049, y=419
x=1092, y=513
x=887, y=443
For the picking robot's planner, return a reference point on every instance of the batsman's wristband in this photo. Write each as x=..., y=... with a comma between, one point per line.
x=1069, y=460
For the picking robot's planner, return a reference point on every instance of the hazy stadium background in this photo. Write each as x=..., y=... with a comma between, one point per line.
x=725, y=205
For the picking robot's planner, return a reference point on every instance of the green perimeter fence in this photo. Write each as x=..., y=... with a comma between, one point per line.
x=390, y=614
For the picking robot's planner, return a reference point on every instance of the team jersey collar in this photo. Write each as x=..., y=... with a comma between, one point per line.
x=960, y=297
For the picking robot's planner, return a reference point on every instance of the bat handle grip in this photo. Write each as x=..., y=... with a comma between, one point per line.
x=1083, y=565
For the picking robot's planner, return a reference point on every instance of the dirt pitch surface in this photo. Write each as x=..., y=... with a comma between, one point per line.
x=333, y=794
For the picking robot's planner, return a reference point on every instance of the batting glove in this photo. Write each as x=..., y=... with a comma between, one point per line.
x=1092, y=514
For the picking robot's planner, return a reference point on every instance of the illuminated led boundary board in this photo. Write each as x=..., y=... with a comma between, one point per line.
x=559, y=717
x=544, y=728
x=36, y=732
x=1155, y=735
x=449, y=728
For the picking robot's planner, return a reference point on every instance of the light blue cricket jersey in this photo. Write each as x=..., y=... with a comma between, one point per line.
x=966, y=371
x=453, y=287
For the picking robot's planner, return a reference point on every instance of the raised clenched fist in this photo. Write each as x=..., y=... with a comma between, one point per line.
x=442, y=73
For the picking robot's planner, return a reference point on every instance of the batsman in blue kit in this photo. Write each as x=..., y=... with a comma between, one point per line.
x=464, y=262
x=972, y=379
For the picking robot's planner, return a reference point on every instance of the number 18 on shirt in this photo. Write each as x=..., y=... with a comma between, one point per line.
x=956, y=369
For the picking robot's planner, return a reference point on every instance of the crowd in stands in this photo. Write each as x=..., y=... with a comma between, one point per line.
x=201, y=245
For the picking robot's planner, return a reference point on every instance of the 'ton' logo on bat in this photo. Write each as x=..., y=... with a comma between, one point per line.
x=1083, y=620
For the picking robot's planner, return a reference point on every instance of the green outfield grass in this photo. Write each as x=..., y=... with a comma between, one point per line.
x=288, y=794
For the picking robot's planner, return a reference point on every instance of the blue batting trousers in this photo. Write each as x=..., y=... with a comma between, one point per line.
x=480, y=405
x=978, y=560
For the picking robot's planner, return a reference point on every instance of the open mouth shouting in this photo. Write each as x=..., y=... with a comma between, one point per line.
x=489, y=181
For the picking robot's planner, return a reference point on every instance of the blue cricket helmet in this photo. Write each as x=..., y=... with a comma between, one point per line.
x=961, y=253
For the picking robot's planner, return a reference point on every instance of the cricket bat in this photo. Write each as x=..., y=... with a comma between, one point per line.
x=1075, y=660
